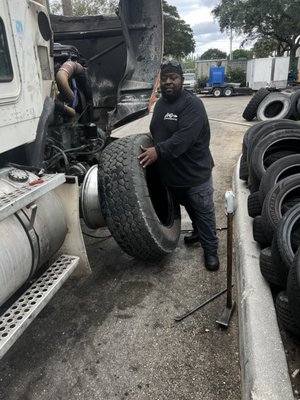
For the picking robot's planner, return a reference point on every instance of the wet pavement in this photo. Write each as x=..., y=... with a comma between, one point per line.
x=112, y=335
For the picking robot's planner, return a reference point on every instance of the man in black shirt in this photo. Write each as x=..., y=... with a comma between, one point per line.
x=181, y=135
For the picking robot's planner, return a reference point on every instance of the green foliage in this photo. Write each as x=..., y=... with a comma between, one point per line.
x=202, y=81
x=86, y=7
x=188, y=64
x=242, y=53
x=178, y=36
x=213, y=54
x=237, y=75
x=55, y=7
x=278, y=19
x=265, y=47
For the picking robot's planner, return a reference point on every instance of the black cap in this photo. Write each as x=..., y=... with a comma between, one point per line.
x=171, y=66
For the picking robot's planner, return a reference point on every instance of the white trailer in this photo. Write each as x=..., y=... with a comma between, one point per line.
x=268, y=72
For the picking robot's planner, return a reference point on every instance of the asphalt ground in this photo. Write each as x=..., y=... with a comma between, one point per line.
x=112, y=335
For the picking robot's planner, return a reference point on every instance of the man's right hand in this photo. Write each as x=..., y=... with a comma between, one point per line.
x=148, y=156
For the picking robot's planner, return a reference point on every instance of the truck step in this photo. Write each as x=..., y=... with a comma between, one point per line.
x=23, y=195
x=19, y=316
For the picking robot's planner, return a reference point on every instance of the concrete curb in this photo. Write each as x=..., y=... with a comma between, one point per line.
x=264, y=370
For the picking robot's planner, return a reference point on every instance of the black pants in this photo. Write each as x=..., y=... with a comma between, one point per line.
x=199, y=204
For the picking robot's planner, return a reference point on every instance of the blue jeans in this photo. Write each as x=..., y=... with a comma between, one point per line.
x=199, y=204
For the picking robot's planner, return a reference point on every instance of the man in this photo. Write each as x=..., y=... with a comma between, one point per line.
x=181, y=135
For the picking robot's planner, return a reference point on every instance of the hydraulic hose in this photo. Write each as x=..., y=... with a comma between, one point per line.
x=68, y=70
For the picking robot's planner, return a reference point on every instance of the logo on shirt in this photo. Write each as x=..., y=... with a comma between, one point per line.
x=171, y=117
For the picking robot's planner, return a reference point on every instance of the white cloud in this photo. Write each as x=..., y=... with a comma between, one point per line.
x=206, y=27
x=207, y=34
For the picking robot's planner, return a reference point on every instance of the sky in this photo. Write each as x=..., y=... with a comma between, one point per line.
x=197, y=13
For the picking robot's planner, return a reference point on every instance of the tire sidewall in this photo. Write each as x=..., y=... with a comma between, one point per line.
x=285, y=112
x=271, y=210
x=275, y=171
x=257, y=167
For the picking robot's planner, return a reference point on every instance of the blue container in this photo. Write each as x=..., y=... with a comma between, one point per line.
x=216, y=75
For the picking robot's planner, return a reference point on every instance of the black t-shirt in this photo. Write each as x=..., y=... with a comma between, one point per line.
x=181, y=135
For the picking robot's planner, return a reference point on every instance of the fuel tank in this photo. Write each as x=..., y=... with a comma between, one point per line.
x=30, y=237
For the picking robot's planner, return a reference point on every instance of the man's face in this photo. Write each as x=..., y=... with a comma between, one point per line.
x=171, y=85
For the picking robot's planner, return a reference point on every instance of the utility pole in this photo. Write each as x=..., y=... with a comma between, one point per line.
x=67, y=8
x=230, y=45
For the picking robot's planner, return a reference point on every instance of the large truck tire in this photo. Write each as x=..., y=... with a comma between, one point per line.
x=268, y=269
x=280, y=195
x=293, y=288
x=268, y=150
x=285, y=315
x=265, y=128
x=295, y=99
x=258, y=232
x=243, y=169
x=277, y=171
x=276, y=106
x=227, y=92
x=250, y=111
x=282, y=270
x=253, y=204
x=217, y=92
x=247, y=139
x=286, y=239
x=139, y=211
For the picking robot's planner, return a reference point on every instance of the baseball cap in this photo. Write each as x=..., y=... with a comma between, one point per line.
x=170, y=66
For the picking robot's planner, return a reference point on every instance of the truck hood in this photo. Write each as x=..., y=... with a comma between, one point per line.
x=123, y=53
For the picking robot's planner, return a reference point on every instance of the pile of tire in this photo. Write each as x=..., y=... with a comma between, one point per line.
x=270, y=165
x=268, y=105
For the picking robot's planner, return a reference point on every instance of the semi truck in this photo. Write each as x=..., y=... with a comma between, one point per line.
x=218, y=87
x=65, y=84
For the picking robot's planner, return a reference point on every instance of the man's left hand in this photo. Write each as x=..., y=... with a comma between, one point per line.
x=148, y=156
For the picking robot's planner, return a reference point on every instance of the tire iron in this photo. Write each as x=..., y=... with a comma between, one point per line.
x=189, y=312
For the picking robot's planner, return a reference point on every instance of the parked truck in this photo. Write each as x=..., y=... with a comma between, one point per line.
x=190, y=81
x=218, y=87
x=65, y=84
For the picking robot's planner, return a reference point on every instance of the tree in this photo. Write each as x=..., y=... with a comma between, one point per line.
x=237, y=75
x=278, y=20
x=83, y=7
x=67, y=7
x=266, y=47
x=213, y=54
x=188, y=64
x=242, y=53
x=178, y=36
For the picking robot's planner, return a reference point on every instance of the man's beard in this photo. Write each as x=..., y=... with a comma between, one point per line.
x=171, y=96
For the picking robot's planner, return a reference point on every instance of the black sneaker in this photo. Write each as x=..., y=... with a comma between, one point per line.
x=192, y=238
x=211, y=262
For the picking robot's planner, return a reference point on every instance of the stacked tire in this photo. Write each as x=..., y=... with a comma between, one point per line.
x=273, y=106
x=270, y=166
